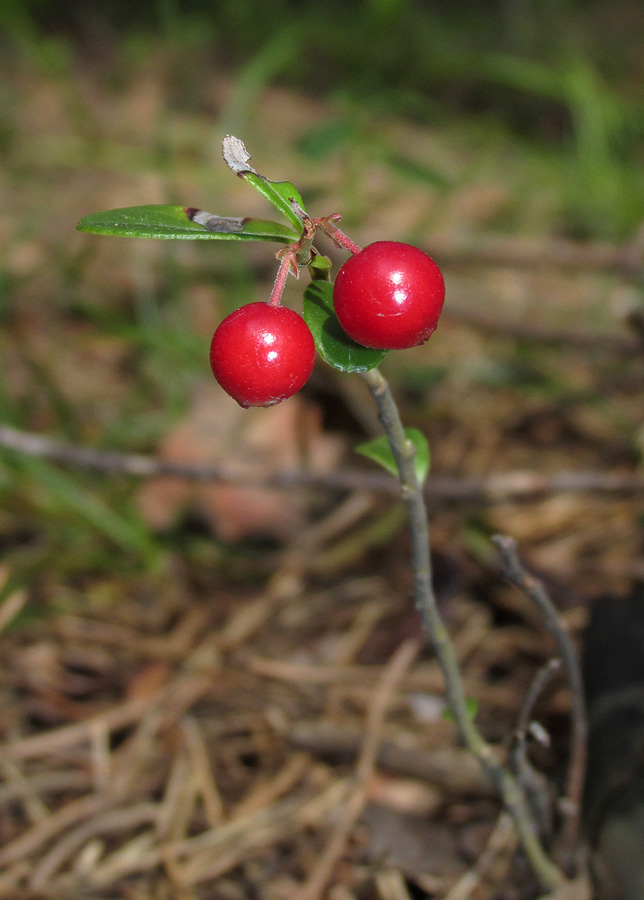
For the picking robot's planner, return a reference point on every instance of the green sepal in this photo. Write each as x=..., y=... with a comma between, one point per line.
x=334, y=345
x=320, y=268
x=177, y=223
x=379, y=451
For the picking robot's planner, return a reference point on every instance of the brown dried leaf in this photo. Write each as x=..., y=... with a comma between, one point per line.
x=412, y=844
x=251, y=443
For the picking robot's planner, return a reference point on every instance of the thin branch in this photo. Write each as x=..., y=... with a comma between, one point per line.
x=535, y=591
x=103, y=822
x=626, y=260
x=453, y=770
x=534, y=782
x=512, y=795
x=539, y=683
x=471, y=315
x=517, y=486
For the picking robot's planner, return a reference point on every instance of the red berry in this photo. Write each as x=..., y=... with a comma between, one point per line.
x=261, y=354
x=389, y=296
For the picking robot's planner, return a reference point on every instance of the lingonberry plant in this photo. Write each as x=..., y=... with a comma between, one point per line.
x=387, y=296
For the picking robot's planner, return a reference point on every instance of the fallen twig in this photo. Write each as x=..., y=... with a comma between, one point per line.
x=451, y=769
x=517, y=486
x=614, y=341
x=426, y=678
x=626, y=260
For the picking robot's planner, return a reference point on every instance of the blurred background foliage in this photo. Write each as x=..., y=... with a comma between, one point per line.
x=566, y=77
x=510, y=117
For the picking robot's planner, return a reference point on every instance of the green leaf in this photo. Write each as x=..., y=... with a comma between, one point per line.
x=472, y=706
x=379, y=451
x=183, y=223
x=279, y=193
x=334, y=346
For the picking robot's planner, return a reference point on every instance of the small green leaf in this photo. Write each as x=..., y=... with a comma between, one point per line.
x=472, y=706
x=279, y=193
x=379, y=451
x=183, y=223
x=422, y=457
x=334, y=346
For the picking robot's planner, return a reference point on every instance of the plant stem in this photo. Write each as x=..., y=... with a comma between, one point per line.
x=548, y=875
x=286, y=265
x=536, y=592
x=326, y=224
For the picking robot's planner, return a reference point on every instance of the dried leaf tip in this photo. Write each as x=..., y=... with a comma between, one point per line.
x=235, y=155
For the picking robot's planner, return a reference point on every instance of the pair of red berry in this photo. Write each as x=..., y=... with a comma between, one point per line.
x=388, y=296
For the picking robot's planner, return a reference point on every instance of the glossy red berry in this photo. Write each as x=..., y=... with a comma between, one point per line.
x=261, y=354
x=389, y=296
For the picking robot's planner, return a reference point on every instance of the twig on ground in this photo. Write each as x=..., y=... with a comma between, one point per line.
x=34, y=807
x=67, y=736
x=428, y=678
x=49, y=782
x=102, y=823
x=614, y=341
x=390, y=885
x=212, y=853
x=268, y=792
x=535, y=591
x=182, y=691
x=626, y=260
x=202, y=772
x=516, y=486
x=451, y=769
x=47, y=829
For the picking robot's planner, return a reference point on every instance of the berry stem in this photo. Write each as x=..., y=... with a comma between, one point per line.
x=512, y=794
x=287, y=264
x=328, y=226
x=335, y=234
